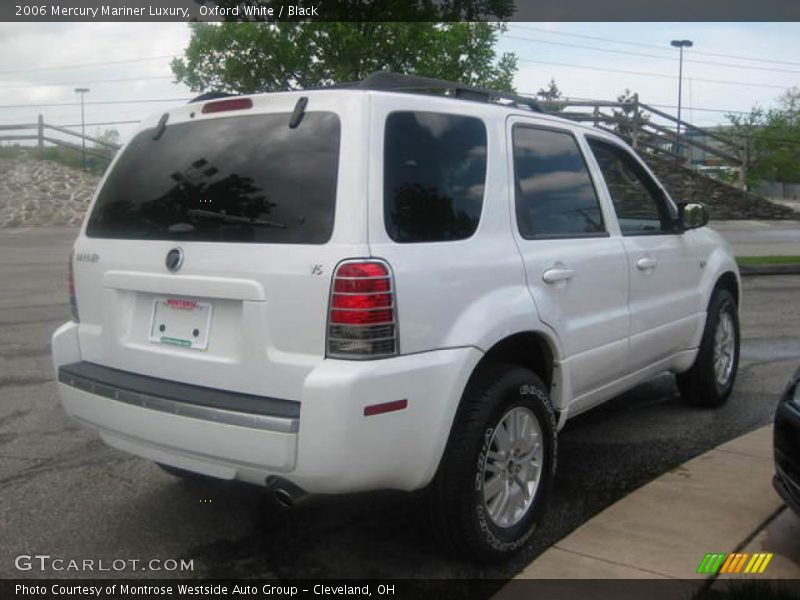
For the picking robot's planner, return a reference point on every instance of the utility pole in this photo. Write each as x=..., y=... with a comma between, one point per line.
x=82, y=92
x=681, y=44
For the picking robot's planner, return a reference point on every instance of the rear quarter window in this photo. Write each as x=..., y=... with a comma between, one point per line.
x=233, y=179
x=434, y=176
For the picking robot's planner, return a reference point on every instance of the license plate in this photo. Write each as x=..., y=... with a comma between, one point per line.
x=181, y=322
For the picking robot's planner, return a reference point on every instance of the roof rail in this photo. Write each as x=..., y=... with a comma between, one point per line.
x=395, y=82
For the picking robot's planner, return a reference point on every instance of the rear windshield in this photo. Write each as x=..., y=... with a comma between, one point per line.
x=234, y=179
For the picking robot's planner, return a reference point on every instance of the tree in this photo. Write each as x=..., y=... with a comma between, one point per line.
x=551, y=94
x=769, y=141
x=629, y=118
x=110, y=136
x=261, y=57
x=742, y=132
x=778, y=141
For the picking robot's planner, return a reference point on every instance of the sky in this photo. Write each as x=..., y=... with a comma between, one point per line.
x=731, y=67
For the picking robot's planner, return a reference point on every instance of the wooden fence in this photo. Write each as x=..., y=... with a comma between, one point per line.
x=645, y=127
x=44, y=133
x=652, y=130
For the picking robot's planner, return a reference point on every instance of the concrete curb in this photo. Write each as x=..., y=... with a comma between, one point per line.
x=791, y=269
x=715, y=502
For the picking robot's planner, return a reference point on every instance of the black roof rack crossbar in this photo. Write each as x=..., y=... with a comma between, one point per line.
x=386, y=81
x=395, y=82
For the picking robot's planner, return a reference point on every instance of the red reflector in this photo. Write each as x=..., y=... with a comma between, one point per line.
x=360, y=317
x=230, y=104
x=378, y=409
x=362, y=301
x=362, y=270
x=355, y=286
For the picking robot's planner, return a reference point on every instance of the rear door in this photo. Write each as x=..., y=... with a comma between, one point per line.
x=214, y=239
x=576, y=269
x=664, y=269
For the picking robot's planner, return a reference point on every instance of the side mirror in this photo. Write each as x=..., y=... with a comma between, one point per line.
x=692, y=215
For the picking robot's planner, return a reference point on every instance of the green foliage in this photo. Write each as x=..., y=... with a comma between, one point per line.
x=759, y=261
x=551, y=94
x=742, y=132
x=248, y=58
x=9, y=152
x=71, y=158
x=628, y=117
x=66, y=156
x=770, y=140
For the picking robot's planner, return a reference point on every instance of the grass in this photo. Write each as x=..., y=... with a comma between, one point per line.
x=65, y=156
x=760, y=261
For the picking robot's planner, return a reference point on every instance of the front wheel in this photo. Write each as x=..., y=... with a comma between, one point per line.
x=497, y=470
x=710, y=380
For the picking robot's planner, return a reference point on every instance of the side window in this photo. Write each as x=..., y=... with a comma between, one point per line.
x=637, y=200
x=553, y=190
x=434, y=174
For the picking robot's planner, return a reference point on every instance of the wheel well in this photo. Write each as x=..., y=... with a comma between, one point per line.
x=530, y=350
x=727, y=281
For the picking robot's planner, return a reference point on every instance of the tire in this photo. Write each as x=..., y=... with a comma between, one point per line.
x=466, y=505
x=707, y=383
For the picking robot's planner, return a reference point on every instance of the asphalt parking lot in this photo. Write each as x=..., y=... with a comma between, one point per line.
x=66, y=494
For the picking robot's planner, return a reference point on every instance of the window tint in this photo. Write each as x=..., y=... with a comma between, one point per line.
x=234, y=179
x=637, y=200
x=554, y=192
x=434, y=175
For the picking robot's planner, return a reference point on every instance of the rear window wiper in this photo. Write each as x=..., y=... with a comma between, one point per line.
x=225, y=218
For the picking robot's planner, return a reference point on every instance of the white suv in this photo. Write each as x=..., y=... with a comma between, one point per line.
x=371, y=287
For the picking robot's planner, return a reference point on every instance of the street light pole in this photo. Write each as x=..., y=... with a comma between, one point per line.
x=681, y=44
x=83, y=91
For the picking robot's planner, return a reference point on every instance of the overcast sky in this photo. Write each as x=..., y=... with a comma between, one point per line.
x=581, y=57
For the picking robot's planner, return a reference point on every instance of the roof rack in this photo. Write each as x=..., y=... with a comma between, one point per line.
x=395, y=82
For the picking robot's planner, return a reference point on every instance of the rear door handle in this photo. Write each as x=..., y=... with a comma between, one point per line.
x=555, y=275
x=643, y=264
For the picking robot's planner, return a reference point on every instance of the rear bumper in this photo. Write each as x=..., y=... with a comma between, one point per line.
x=321, y=442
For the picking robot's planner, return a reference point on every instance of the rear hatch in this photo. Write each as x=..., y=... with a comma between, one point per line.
x=207, y=254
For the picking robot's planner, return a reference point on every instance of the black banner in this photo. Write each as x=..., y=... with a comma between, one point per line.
x=398, y=10
x=455, y=589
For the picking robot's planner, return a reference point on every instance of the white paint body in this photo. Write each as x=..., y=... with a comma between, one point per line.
x=610, y=327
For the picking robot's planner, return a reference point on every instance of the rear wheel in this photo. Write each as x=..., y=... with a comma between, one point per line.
x=710, y=380
x=497, y=470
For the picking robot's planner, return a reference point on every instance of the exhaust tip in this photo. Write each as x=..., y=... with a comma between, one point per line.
x=283, y=497
x=285, y=492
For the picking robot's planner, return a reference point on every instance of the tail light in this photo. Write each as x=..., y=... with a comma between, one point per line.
x=73, y=302
x=362, y=321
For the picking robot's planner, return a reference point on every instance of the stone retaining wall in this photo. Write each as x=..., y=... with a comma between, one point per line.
x=724, y=201
x=40, y=192
x=36, y=193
